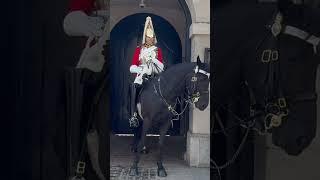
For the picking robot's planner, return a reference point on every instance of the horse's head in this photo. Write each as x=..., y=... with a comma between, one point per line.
x=300, y=60
x=198, y=85
x=299, y=77
x=297, y=66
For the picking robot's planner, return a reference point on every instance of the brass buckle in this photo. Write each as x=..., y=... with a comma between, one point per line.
x=263, y=59
x=81, y=167
x=269, y=55
x=274, y=55
x=282, y=102
x=286, y=112
x=276, y=121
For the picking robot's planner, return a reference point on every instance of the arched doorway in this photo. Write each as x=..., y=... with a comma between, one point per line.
x=125, y=36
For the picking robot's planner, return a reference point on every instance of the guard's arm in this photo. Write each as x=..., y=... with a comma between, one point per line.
x=158, y=61
x=135, y=69
x=78, y=22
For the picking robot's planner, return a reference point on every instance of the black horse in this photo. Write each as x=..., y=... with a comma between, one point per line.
x=157, y=100
x=278, y=66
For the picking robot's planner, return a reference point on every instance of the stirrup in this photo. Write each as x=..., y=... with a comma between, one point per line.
x=134, y=121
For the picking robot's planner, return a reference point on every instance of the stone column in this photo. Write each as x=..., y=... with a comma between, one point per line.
x=198, y=138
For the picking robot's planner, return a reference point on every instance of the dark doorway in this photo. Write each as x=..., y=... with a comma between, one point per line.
x=125, y=36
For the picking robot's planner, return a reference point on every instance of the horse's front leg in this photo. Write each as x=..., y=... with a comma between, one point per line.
x=141, y=143
x=136, y=138
x=163, y=131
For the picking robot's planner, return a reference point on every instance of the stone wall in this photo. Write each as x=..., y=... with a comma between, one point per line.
x=198, y=139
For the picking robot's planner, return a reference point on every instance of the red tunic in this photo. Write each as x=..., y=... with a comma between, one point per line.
x=135, y=59
x=87, y=6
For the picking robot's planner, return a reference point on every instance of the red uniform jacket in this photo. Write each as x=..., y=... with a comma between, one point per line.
x=87, y=6
x=135, y=59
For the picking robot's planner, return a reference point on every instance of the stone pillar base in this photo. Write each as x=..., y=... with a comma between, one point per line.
x=198, y=150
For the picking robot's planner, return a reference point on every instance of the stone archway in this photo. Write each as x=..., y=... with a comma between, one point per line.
x=198, y=138
x=193, y=27
x=124, y=38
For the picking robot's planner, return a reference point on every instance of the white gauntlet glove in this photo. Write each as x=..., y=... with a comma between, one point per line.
x=78, y=23
x=158, y=64
x=135, y=69
x=147, y=70
x=90, y=57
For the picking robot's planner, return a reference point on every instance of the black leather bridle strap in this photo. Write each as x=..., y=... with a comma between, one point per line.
x=273, y=78
x=303, y=97
x=305, y=36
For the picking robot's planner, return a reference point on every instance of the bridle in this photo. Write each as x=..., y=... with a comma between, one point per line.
x=275, y=104
x=193, y=95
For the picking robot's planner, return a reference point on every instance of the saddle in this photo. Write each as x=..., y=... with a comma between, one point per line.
x=146, y=79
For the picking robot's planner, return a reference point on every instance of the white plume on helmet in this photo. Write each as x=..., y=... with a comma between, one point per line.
x=148, y=31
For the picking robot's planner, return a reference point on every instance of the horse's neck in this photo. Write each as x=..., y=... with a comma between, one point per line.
x=173, y=81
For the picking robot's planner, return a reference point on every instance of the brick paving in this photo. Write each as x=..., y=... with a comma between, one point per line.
x=121, y=159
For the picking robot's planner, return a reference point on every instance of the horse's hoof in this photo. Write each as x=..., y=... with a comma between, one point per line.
x=134, y=171
x=162, y=172
x=144, y=151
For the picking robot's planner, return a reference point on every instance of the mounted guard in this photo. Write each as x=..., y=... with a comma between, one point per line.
x=146, y=62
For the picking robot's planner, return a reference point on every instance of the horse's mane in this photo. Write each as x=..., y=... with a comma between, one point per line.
x=171, y=70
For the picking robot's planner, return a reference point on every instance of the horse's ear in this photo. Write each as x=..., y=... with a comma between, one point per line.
x=198, y=60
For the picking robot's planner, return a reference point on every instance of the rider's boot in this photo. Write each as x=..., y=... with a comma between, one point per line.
x=133, y=121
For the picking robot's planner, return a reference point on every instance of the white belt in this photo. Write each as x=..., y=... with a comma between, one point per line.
x=293, y=31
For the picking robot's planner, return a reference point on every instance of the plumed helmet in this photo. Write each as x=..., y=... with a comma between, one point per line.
x=148, y=31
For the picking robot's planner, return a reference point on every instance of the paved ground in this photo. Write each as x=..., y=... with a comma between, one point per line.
x=177, y=169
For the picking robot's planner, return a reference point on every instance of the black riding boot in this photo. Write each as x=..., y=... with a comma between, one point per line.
x=133, y=121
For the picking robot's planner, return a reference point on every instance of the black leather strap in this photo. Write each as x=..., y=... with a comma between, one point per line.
x=302, y=97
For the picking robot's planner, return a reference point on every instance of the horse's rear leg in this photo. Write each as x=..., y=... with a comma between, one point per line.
x=163, y=131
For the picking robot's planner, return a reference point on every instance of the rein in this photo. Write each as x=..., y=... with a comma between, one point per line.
x=192, y=97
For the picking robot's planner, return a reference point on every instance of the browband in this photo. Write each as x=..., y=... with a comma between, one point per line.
x=197, y=70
